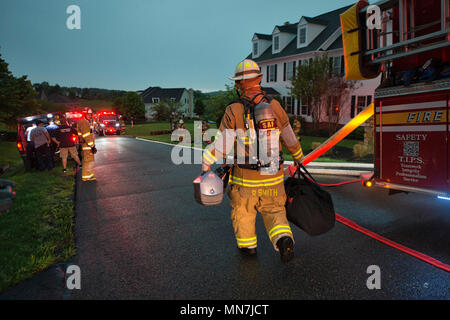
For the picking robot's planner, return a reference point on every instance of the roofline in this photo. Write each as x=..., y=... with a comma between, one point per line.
x=296, y=55
x=331, y=39
x=312, y=51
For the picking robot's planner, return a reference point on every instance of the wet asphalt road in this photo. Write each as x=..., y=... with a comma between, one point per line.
x=141, y=235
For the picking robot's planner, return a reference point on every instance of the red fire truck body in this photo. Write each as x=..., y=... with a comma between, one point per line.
x=412, y=150
x=411, y=49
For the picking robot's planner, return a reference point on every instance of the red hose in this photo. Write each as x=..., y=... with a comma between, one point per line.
x=373, y=235
x=334, y=184
x=411, y=252
x=292, y=170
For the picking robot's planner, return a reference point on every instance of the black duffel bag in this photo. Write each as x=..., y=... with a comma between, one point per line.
x=308, y=206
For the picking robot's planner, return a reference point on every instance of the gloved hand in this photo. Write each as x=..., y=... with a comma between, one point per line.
x=93, y=150
x=205, y=168
x=298, y=162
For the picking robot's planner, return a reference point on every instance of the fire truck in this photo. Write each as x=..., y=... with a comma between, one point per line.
x=108, y=122
x=408, y=43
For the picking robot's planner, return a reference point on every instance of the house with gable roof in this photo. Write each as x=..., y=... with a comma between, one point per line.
x=154, y=95
x=278, y=54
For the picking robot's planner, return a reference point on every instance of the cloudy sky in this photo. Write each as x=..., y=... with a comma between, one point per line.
x=133, y=44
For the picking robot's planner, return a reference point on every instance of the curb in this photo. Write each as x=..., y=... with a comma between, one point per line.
x=326, y=168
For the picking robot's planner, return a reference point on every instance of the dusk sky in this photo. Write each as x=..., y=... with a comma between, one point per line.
x=134, y=44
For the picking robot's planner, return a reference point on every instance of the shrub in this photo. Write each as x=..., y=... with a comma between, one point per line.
x=360, y=150
x=357, y=134
x=159, y=132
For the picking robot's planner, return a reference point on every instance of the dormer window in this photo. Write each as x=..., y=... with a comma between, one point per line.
x=308, y=29
x=155, y=100
x=302, y=35
x=255, y=49
x=276, y=43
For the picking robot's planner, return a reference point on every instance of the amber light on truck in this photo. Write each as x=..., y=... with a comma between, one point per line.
x=367, y=183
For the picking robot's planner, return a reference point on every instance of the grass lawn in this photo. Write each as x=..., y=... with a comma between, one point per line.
x=143, y=130
x=38, y=231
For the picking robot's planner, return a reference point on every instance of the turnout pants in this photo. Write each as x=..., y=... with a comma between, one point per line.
x=87, y=171
x=243, y=215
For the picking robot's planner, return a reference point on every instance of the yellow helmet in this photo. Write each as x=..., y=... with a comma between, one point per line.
x=246, y=69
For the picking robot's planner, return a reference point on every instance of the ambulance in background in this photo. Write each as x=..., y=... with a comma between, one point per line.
x=73, y=117
x=410, y=47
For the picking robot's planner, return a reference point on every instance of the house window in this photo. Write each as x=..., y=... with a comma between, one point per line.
x=369, y=100
x=337, y=65
x=361, y=104
x=289, y=104
x=353, y=107
x=172, y=99
x=302, y=35
x=272, y=73
x=276, y=43
x=255, y=49
x=304, y=107
x=290, y=70
x=155, y=100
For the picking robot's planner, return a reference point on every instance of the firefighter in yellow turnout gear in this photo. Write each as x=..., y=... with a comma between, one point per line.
x=251, y=190
x=87, y=141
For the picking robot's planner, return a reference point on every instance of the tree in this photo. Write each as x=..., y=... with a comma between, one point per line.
x=56, y=89
x=324, y=91
x=131, y=105
x=16, y=96
x=216, y=104
x=164, y=110
x=310, y=84
x=199, y=107
x=337, y=94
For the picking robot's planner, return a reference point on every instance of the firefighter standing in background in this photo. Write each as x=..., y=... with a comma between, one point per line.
x=296, y=125
x=205, y=127
x=251, y=190
x=182, y=128
x=86, y=138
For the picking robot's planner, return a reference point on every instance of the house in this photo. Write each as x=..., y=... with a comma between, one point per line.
x=278, y=54
x=154, y=95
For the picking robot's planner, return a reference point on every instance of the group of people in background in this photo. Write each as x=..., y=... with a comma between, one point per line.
x=43, y=142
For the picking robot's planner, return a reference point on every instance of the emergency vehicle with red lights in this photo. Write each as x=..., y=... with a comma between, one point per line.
x=410, y=48
x=107, y=122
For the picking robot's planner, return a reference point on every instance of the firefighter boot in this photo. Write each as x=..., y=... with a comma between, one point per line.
x=286, y=247
x=248, y=252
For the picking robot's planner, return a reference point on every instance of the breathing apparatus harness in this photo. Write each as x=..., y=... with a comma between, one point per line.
x=249, y=110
